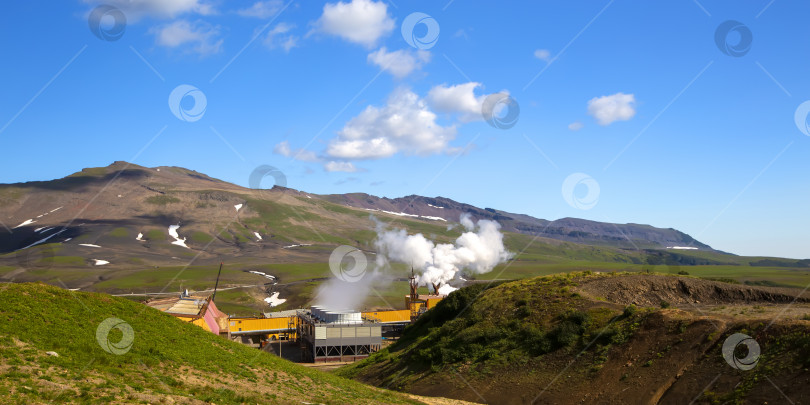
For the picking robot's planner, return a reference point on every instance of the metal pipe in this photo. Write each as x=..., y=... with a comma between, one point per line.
x=217, y=283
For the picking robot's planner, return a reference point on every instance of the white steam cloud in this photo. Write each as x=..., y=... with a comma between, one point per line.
x=341, y=295
x=478, y=250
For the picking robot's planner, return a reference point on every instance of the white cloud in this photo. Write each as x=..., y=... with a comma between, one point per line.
x=279, y=37
x=136, y=9
x=333, y=166
x=289, y=42
x=360, y=21
x=459, y=99
x=542, y=54
x=283, y=149
x=261, y=9
x=616, y=107
x=304, y=155
x=399, y=63
x=575, y=126
x=461, y=34
x=198, y=37
x=404, y=124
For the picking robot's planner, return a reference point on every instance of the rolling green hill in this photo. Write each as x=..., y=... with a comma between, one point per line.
x=168, y=361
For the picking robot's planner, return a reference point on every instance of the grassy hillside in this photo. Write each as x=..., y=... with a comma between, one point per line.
x=169, y=360
x=545, y=340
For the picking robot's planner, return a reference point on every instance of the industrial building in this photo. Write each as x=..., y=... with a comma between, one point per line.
x=323, y=334
x=257, y=331
x=327, y=335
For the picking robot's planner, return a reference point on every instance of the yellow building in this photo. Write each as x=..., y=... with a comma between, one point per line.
x=393, y=316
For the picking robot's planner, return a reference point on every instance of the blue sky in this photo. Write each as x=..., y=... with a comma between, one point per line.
x=665, y=127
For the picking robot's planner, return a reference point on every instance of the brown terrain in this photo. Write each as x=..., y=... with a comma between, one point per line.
x=674, y=355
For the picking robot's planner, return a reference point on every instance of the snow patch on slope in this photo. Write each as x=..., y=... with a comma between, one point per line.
x=263, y=274
x=403, y=214
x=274, y=300
x=292, y=246
x=43, y=240
x=177, y=241
x=27, y=222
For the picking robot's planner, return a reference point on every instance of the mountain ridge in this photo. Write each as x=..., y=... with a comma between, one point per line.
x=178, y=179
x=129, y=229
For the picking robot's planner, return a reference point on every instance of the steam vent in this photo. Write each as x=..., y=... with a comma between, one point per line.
x=417, y=303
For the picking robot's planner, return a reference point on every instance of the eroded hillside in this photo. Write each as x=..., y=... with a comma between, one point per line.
x=579, y=339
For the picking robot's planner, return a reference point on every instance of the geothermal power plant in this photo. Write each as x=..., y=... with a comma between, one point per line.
x=318, y=334
x=333, y=329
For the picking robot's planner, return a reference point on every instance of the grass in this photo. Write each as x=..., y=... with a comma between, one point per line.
x=155, y=235
x=488, y=328
x=67, y=261
x=539, y=265
x=201, y=237
x=521, y=334
x=161, y=199
x=119, y=232
x=239, y=302
x=167, y=358
x=175, y=278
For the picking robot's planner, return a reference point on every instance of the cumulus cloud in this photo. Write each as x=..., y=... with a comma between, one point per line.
x=136, y=9
x=542, y=54
x=405, y=124
x=197, y=37
x=399, y=63
x=280, y=37
x=575, y=126
x=360, y=21
x=333, y=166
x=608, y=109
x=283, y=149
x=458, y=99
x=261, y=9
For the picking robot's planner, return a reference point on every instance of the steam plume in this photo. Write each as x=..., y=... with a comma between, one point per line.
x=479, y=250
